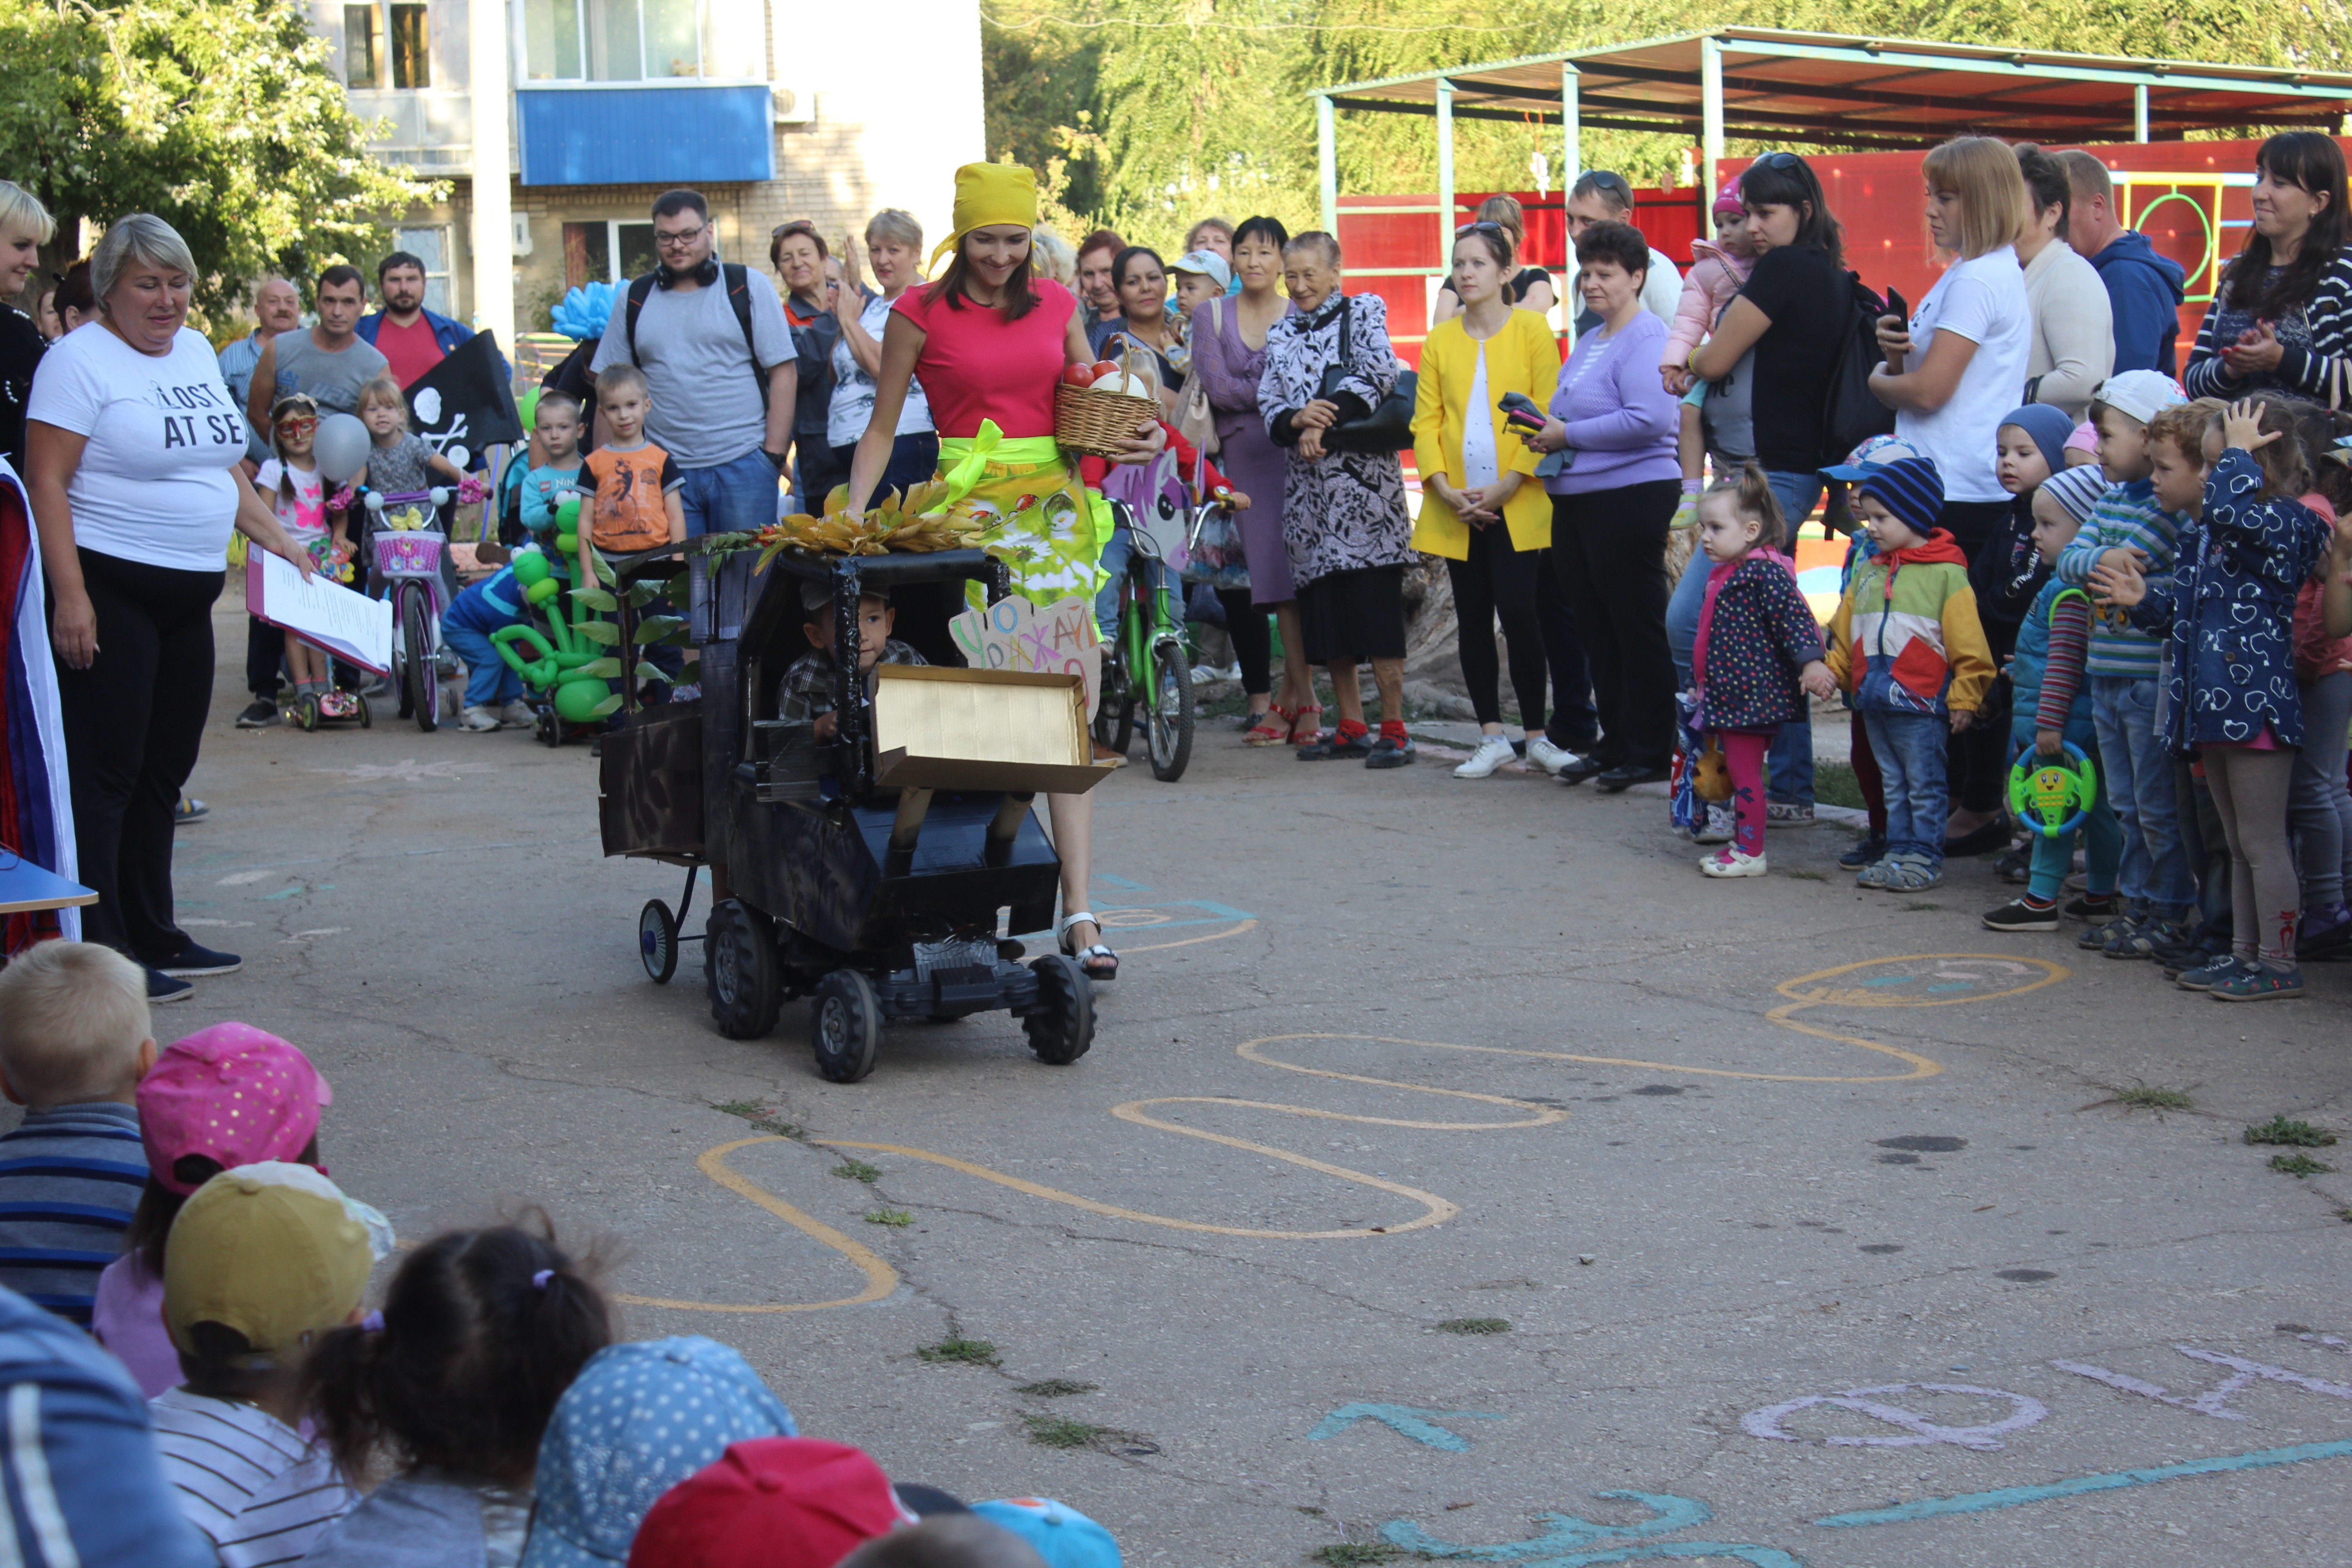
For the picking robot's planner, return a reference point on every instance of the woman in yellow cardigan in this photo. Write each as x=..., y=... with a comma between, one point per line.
x=1476, y=475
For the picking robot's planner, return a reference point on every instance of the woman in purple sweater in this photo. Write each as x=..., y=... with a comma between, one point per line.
x=1610, y=504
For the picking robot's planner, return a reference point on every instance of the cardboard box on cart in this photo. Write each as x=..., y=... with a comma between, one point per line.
x=1021, y=732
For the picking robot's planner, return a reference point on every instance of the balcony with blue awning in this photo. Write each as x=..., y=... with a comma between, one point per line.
x=643, y=92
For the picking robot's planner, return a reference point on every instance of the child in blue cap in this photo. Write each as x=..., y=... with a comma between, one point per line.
x=1062, y=1536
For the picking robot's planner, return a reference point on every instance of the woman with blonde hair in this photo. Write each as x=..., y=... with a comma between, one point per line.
x=1529, y=288
x=1056, y=259
x=1952, y=373
x=24, y=226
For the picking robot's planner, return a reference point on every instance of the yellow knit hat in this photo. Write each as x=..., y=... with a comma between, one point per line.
x=988, y=193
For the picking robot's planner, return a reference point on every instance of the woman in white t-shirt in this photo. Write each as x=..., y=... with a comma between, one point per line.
x=133, y=442
x=1950, y=375
x=894, y=246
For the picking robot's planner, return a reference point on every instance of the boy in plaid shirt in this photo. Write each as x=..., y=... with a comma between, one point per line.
x=806, y=690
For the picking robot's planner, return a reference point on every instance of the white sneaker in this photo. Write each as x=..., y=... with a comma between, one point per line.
x=517, y=715
x=1730, y=862
x=1542, y=753
x=1493, y=751
x=1722, y=824
x=478, y=719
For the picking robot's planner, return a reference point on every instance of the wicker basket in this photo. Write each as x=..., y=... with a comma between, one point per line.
x=1098, y=423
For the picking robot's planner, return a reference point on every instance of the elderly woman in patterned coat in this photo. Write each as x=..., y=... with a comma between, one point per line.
x=1343, y=515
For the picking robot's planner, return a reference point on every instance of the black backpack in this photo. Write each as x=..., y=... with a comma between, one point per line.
x=738, y=294
x=1851, y=413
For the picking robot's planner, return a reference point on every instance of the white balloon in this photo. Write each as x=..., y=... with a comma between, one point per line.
x=457, y=455
x=340, y=447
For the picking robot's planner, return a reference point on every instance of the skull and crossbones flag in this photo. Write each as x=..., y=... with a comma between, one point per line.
x=463, y=404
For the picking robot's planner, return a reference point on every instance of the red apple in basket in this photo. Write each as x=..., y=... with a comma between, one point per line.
x=1078, y=375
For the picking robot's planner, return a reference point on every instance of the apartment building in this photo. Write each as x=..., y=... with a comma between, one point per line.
x=773, y=111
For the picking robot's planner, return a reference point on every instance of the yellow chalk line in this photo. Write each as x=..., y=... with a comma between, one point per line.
x=881, y=1279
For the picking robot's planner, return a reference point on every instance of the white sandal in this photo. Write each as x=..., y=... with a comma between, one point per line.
x=1097, y=953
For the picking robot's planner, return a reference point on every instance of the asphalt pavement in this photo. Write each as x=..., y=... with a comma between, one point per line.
x=1455, y=1169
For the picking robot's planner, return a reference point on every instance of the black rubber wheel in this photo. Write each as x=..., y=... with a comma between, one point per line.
x=419, y=694
x=306, y=713
x=1168, y=725
x=1115, y=714
x=1063, y=1027
x=845, y=1026
x=547, y=729
x=740, y=971
x=658, y=940
x=367, y=717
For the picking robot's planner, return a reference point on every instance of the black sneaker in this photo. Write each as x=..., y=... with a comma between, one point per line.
x=259, y=714
x=163, y=989
x=2022, y=914
x=1388, y=753
x=1866, y=851
x=1327, y=747
x=1626, y=777
x=2096, y=908
x=194, y=960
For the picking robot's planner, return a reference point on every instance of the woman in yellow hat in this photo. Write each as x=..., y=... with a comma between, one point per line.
x=989, y=342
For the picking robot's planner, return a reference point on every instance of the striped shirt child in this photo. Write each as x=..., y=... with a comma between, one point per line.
x=2127, y=518
x=259, y=1492
x=70, y=1180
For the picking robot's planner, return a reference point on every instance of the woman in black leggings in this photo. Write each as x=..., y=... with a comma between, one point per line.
x=133, y=441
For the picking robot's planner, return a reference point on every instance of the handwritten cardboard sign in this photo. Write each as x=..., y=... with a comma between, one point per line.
x=1013, y=633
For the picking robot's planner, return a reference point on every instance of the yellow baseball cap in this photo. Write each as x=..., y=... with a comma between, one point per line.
x=275, y=1261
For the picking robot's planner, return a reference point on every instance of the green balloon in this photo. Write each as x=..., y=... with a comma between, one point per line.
x=576, y=701
x=543, y=590
x=530, y=567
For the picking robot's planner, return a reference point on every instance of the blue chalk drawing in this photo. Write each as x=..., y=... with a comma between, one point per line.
x=1405, y=1421
x=2012, y=1497
x=1121, y=883
x=1565, y=1538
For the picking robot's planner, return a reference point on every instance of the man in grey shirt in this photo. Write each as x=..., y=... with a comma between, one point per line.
x=329, y=363
x=706, y=382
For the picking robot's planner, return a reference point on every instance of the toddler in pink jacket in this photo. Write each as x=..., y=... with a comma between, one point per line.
x=1717, y=269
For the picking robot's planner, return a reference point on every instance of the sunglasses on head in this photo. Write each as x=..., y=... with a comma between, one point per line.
x=1483, y=225
x=1779, y=161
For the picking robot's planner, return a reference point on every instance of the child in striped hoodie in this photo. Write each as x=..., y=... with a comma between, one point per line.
x=2130, y=524
x=1905, y=644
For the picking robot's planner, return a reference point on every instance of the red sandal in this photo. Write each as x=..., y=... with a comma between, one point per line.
x=1265, y=731
x=1312, y=717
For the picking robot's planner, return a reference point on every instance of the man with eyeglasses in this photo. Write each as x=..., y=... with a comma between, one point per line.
x=718, y=358
x=1601, y=195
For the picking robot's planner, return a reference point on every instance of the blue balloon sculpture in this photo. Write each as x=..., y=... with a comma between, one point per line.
x=582, y=313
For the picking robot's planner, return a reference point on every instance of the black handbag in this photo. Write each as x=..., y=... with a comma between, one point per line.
x=1388, y=428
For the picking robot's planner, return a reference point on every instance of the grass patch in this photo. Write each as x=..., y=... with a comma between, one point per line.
x=1056, y=1388
x=780, y=1129
x=2345, y=1215
x=969, y=1353
x=857, y=1171
x=1351, y=1554
x=1475, y=1326
x=1915, y=909
x=1834, y=784
x=1061, y=1432
x=752, y=1112
x=1808, y=875
x=2146, y=1098
x=746, y=1108
x=890, y=1216
x=2299, y=1165
x=2293, y=1134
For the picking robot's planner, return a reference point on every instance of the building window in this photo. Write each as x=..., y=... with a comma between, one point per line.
x=611, y=40
x=412, y=56
x=589, y=249
x=362, y=59
x=430, y=245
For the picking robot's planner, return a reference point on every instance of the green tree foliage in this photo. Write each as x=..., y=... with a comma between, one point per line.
x=219, y=116
x=1201, y=105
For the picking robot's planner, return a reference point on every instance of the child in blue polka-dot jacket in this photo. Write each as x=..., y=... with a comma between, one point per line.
x=1759, y=651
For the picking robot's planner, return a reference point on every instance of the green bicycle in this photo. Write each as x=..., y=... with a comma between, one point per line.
x=1145, y=673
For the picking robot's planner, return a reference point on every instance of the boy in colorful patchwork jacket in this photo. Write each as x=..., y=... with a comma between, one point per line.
x=1907, y=648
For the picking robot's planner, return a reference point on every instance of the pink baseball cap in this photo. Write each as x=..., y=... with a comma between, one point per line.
x=1728, y=199
x=232, y=1093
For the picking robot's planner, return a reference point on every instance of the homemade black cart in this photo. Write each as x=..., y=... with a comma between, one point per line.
x=867, y=875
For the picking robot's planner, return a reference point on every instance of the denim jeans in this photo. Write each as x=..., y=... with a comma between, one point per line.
x=1788, y=766
x=1115, y=557
x=1797, y=494
x=2155, y=870
x=735, y=497
x=467, y=625
x=914, y=458
x=1910, y=751
x=2319, y=807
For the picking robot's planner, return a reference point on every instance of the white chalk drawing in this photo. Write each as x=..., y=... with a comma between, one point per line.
x=1917, y=1429
x=2214, y=1401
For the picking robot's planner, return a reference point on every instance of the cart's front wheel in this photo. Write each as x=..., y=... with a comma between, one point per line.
x=846, y=1026
x=658, y=940
x=1063, y=1027
x=1168, y=727
x=547, y=729
x=740, y=956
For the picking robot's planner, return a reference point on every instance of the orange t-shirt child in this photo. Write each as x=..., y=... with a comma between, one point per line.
x=633, y=484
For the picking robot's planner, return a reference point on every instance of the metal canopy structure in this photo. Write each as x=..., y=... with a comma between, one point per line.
x=1760, y=84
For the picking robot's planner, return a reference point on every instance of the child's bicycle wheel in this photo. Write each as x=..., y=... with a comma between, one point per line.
x=1114, y=725
x=1168, y=722
x=420, y=694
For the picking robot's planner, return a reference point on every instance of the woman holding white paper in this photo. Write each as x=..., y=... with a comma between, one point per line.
x=133, y=442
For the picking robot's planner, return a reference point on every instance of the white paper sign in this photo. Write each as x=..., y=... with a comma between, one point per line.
x=327, y=615
x=1013, y=633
